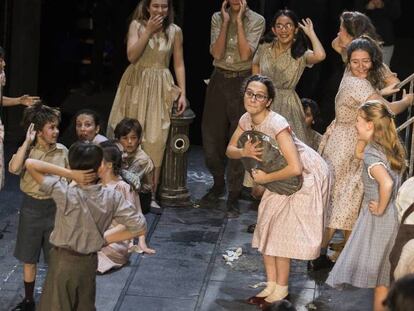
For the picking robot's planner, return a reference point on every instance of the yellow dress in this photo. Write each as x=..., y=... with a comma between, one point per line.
x=147, y=91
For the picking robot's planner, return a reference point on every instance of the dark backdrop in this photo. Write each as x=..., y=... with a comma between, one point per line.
x=79, y=50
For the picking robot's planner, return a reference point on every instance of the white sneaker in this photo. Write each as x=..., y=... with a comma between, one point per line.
x=155, y=208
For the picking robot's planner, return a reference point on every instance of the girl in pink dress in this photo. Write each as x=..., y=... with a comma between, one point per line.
x=116, y=255
x=288, y=227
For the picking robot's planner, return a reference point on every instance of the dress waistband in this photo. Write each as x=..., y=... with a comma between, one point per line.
x=233, y=74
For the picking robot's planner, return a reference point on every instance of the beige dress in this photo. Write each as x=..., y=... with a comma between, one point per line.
x=292, y=226
x=338, y=149
x=147, y=91
x=285, y=72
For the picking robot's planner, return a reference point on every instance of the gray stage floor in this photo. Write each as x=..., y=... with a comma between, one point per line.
x=188, y=271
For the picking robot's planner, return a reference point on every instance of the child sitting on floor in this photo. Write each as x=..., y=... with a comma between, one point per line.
x=116, y=255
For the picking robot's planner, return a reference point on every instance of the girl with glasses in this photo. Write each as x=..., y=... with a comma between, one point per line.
x=288, y=226
x=283, y=56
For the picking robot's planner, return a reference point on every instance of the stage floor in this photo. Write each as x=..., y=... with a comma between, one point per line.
x=188, y=271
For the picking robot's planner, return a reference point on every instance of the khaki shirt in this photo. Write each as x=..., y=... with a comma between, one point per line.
x=253, y=25
x=83, y=214
x=57, y=155
x=140, y=163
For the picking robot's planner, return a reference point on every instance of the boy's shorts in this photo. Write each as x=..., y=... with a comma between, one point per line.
x=36, y=221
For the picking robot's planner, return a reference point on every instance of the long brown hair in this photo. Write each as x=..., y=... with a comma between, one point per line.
x=141, y=13
x=385, y=132
x=367, y=44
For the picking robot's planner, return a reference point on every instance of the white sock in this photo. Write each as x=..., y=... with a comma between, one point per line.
x=270, y=287
x=279, y=293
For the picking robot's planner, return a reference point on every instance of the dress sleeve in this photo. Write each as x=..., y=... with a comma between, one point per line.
x=373, y=157
x=258, y=55
x=279, y=124
x=244, y=122
x=360, y=89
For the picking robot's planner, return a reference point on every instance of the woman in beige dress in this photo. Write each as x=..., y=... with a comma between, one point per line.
x=283, y=57
x=359, y=84
x=288, y=226
x=147, y=90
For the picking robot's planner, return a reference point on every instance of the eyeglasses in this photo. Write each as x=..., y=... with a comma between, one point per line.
x=258, y=97
x=287, y=26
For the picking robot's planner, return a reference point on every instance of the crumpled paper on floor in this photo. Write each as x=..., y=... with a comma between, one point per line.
x=231, y=255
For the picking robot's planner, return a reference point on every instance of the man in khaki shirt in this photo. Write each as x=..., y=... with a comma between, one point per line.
x=235, y=34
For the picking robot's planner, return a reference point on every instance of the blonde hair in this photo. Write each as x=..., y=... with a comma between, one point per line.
x=385, y=132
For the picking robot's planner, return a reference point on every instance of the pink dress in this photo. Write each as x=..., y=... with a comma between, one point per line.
x=116, y=255
x=292, y=226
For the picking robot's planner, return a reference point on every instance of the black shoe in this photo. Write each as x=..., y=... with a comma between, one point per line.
x=233, y=210
x=250, y=228
x=25, y=305
x=213, y=195
x=246, y=194
x=320, y=263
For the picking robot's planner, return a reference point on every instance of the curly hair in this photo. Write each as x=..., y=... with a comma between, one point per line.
x=300, y=44
x=385, y=132
x=367, y=44
x=39, y=115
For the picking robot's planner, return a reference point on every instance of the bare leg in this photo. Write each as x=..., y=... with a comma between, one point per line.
x=270, y=267
x=155, y=207
x=29, y=272
x=282, y=270
x=143, y=245
x=347, y=234
x=282, y=280
x=380, y=293
x=327, y=237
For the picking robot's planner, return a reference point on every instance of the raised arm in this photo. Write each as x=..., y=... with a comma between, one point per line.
x=219, y=32
x=38, y=169
x=179, y=69
x=245, y=50
x=16, y=164
x=318, y=52
x=137, y=41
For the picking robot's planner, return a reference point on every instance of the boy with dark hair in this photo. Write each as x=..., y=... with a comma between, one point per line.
x=85, y=211
x=37, y=213
x=138, y=167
